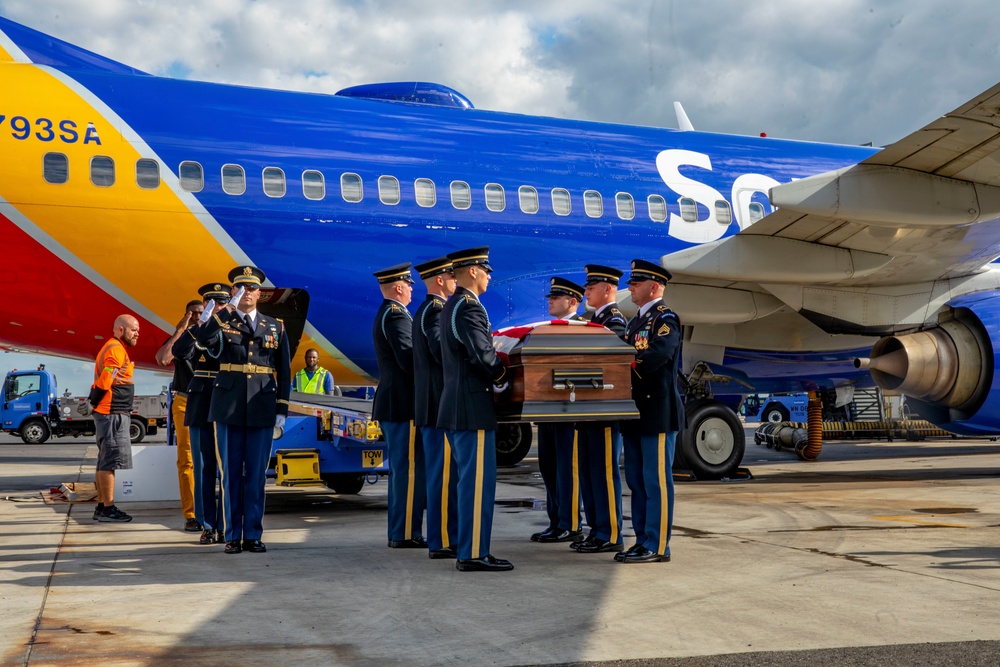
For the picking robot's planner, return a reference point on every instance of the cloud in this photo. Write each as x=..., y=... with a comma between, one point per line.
x=844, y=72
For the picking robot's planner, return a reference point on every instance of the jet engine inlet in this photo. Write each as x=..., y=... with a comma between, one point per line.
x=941, y=365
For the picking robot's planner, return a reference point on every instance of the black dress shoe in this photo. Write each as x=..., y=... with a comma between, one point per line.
x=234, y=547
x=561, y=536
x=415, y=543
x=644, y=555
x=254, y=546
x=631, y=550
x=537, y=537
x=596, y=545
x=192, y=525
x=485, y=564
x=220, y=536
x=576, y=544
x=447, y=552
x=207, y=536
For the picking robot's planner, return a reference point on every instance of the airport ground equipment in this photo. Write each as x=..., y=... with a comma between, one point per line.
x=331, y=441
x=31, y=408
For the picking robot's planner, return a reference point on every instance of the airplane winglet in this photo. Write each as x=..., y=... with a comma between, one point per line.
x=21, y=44
x=683, y=122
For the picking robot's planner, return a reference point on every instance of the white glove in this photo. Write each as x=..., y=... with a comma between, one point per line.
x=235, y=301
x=279, y=422
x=500, y=388
x=206, y=314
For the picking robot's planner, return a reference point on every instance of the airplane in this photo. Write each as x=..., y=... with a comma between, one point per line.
x=797, y=266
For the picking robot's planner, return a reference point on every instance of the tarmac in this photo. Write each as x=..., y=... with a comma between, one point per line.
x=878, y=553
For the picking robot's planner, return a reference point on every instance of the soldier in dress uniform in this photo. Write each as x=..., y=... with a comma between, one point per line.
x=394, y=408
x=655, y=332
x=428, y=376
x=466, y=411
x=249, y=401
x=557, y=443
x=600, y=443
x=207, y=504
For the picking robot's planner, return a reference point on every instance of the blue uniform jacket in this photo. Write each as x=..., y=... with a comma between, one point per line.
x=612, y=318
x=656, y=337
x=471, y=366
x=248, y=399
x=393, y=338
x=200, y=388
x=428, y=374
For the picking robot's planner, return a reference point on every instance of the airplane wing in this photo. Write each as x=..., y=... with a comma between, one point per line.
x=901, y=231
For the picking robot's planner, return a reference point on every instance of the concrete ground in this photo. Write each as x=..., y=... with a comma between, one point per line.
x=876, y=554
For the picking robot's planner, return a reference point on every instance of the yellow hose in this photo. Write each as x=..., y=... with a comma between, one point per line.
x=815, y=429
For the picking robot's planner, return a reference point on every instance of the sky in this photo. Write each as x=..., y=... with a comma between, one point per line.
x=845, y=72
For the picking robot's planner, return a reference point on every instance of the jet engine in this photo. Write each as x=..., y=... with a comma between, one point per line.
x=946, y=370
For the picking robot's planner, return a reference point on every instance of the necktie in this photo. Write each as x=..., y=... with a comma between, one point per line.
x=249, y=322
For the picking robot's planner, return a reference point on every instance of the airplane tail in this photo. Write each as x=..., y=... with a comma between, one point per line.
x=20, y=44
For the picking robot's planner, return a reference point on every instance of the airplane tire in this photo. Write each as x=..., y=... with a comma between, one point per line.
x=136, y=430
x=513, y=440
x=344, y=483
x=35, y=432
x=713, y=443
x=775, y=413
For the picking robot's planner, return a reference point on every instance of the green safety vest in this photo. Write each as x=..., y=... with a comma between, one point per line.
x=311, y=386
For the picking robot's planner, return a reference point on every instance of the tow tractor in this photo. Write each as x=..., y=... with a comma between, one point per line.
x=329, y=440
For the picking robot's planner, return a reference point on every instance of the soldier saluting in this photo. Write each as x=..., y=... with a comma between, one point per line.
x=249, y=400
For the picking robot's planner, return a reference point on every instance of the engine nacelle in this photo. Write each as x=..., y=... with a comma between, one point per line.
x=946, y=371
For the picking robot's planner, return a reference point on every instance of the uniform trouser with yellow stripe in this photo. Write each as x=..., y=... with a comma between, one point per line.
x=442, y=489
x=649, y=462
x=557, y=462
x=475, y=453
x=185, y=464
x=243, y=452
x=207, y=505
x=600, y=447
x=407, y=483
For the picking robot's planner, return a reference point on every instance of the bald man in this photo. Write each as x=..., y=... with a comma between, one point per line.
x=111, y=395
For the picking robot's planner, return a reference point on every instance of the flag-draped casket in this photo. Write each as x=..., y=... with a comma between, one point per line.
x=565, y=371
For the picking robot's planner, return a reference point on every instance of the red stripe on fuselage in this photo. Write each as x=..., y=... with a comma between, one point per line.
x=47, y=299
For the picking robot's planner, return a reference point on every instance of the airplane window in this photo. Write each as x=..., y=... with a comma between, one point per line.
x=528, y=197
x=147, y=174
x=388, y=190
x=274, y=182
x=657, y=208
x=234, y=180
x=461, y=195
x=689, y=209
x=561, y=204
x=426, y=194
x=593, y=204
x=495, y=200
x=192, y=176
x=723, y=214
x=102, y=171
x=313, y=184
x=625, y=205
x=55, y=168
x=351, y=188
x=756, y=212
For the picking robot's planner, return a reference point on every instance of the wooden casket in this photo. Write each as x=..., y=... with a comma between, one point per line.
x=565, y=372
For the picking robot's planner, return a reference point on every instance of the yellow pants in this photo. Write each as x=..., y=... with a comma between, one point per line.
x=185, y=465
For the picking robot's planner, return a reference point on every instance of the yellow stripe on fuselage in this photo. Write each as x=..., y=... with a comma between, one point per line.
x=139, y=240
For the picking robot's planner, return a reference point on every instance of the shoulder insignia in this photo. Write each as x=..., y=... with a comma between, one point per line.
x=395, y=307
x=662, y=308
x=664, y=330
x=615, y=311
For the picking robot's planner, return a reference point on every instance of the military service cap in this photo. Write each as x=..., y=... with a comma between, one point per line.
x=394, y=273
x=471, y=257
x=602, y=274
x=643, y=270
x=562, y=287
x=434, y=267
x=216, y=291
x=247, y=275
